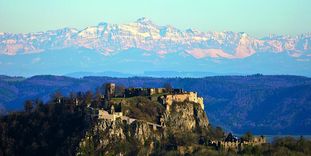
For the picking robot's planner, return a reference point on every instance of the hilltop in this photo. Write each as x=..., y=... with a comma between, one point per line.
x=121, y=121
x=128, y=121
x=147, y=121
x=258, y=103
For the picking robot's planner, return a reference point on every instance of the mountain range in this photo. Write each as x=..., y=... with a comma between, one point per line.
x=145, y=46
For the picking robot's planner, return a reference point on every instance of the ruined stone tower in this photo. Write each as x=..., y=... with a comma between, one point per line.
x=110, y=90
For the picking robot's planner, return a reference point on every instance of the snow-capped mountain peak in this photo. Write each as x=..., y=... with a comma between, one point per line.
x=144, y=20
x=144, y=34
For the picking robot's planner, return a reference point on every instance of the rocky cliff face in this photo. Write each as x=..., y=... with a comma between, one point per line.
x=117, y=137
x=186, y=116
x=139, y=137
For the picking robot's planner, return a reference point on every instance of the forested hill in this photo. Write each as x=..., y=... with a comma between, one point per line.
x=261, y=104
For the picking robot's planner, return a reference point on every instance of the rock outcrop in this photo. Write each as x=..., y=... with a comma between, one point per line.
x=140, y=137
x=111, y=137
x=186, y=116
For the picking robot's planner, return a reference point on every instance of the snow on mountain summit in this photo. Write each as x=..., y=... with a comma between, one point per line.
x=144, y=20
x=144, y=34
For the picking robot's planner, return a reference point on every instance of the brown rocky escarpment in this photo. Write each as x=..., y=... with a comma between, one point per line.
x=109, y=137
x=186, y=116
x=139, y=137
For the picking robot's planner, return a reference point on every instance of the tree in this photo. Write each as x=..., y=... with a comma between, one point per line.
x=88, y=98
x=219, y=133
x=57, y=97
x=248, y=136
x=39, y=106
x=73, y=95
x=28, y=106
x=168, y=86
x=120, y=89
x=98, y=98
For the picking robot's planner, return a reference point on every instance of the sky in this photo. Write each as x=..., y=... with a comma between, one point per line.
x=256, y=17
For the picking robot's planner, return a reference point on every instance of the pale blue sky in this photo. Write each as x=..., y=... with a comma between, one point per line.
x=256, y=17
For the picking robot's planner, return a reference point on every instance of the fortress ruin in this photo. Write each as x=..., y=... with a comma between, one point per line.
x=166, y=96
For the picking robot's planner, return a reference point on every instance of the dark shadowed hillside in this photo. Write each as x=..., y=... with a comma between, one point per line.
x=262, y=104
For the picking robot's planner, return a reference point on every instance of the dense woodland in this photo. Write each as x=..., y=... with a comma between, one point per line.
x=43, y=129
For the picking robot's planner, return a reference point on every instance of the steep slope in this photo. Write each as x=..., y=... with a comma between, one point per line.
x=108, y=137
